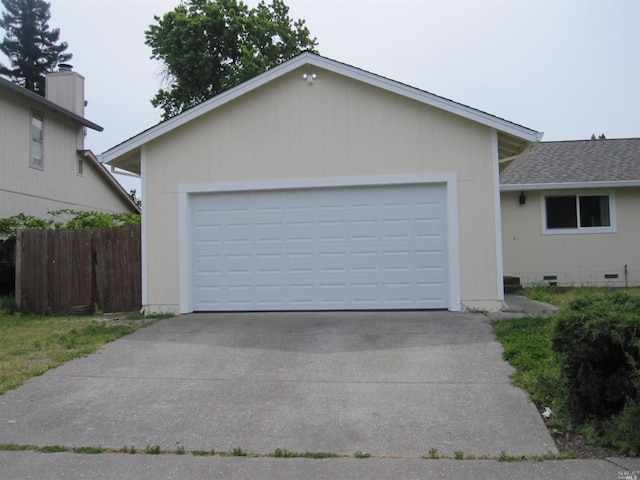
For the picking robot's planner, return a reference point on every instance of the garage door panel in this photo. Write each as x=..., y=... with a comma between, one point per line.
x=334, y=248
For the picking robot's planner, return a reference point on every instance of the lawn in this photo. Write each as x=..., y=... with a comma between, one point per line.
x=31, y=345
x=563, y=296
x=541, y=372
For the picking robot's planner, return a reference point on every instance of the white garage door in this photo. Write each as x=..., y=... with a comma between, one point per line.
x=355, y=248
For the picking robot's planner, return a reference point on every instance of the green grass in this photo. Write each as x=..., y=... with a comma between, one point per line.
x=31, y=345
x=527, y=347
x=563, y=296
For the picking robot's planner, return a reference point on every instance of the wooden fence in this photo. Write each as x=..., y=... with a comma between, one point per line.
x=73, y=271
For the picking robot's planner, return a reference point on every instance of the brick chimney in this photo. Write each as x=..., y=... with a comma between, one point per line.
x=66, y=88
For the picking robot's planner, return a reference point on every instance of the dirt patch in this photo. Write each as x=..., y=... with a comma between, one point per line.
x=117, y=319
x=578, y=444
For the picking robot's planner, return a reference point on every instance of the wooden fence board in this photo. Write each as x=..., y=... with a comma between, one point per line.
x=57, y=270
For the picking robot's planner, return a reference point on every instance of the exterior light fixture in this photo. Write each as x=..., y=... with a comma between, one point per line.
x=310, y=78
x=522, y=199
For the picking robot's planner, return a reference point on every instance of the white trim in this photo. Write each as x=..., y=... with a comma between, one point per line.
x=448, y=178
x=320, y=182
x=497, y=214
x=579, y=230
x=184, y=253
x=314, y=60
x=453, y=247
x=569, y=185
x=119, y=171
x=144, y=228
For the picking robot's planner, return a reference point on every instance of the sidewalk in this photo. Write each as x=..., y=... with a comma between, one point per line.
x=32, y=465
x=517, y=306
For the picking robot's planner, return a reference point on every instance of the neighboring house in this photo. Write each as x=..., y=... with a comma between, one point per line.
x=43, y=162
x=320, y=186
x=571, y=213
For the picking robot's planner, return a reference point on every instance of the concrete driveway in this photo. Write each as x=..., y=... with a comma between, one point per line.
x=388, y=383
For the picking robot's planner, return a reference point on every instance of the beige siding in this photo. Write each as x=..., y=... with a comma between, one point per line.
x=334, y=128
x=576, y=259
x=32, y=191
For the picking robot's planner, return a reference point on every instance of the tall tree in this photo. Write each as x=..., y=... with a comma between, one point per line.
x=29, y=44
x=208, y=46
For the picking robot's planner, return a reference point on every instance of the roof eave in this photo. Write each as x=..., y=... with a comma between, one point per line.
x=49, y=104
x=513, y=187
x=308, y=58
x=91, y=157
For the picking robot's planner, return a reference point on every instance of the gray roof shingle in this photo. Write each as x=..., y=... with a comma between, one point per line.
x=576, y=161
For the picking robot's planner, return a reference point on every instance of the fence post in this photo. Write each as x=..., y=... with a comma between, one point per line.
x=18, y=266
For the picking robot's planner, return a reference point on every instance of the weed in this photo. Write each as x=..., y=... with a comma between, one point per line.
x=152, y=450
x=238, y=452
x=203, y=453
x=319, y=455
x=483, y=311
x=52, y=449
x=283, y=453
x=13, y=447
x=362, y=455
x=88, y=450
x=180, y=450
x=433, y=454
x=458, y=454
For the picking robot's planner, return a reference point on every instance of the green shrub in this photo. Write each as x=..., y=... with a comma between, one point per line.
x=622, y=431
x=598, y=338
x=8, y=305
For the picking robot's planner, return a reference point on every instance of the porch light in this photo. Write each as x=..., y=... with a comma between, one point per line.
x=310, y=78
x=522, y=199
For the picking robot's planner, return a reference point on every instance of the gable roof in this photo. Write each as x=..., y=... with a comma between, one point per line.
x=575, y=164
x=110, y=179
x=17, y=89
x=512, y=138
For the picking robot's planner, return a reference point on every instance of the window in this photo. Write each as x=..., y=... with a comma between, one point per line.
x=578, y=213
x=80, y=166
x=37, y=125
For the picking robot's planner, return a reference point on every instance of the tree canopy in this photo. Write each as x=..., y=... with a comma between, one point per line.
x=209, y=46
x=32, y=47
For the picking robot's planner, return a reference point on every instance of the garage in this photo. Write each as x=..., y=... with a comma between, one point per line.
x=331, y=248
x=351, y=192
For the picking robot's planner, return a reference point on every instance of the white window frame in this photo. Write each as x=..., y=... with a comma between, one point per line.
x=612, y=228
x=32, y=164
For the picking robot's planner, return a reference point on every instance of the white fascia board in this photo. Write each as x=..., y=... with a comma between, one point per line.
x=569, y=185
x=333, y=66
x=201, y=109
x=433, y=100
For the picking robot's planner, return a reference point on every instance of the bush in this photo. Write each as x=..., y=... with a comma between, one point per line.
x=622, y=431
x=598, y=339
x=7, y=305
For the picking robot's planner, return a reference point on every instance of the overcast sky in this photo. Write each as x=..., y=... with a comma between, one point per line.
x=566, y=68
